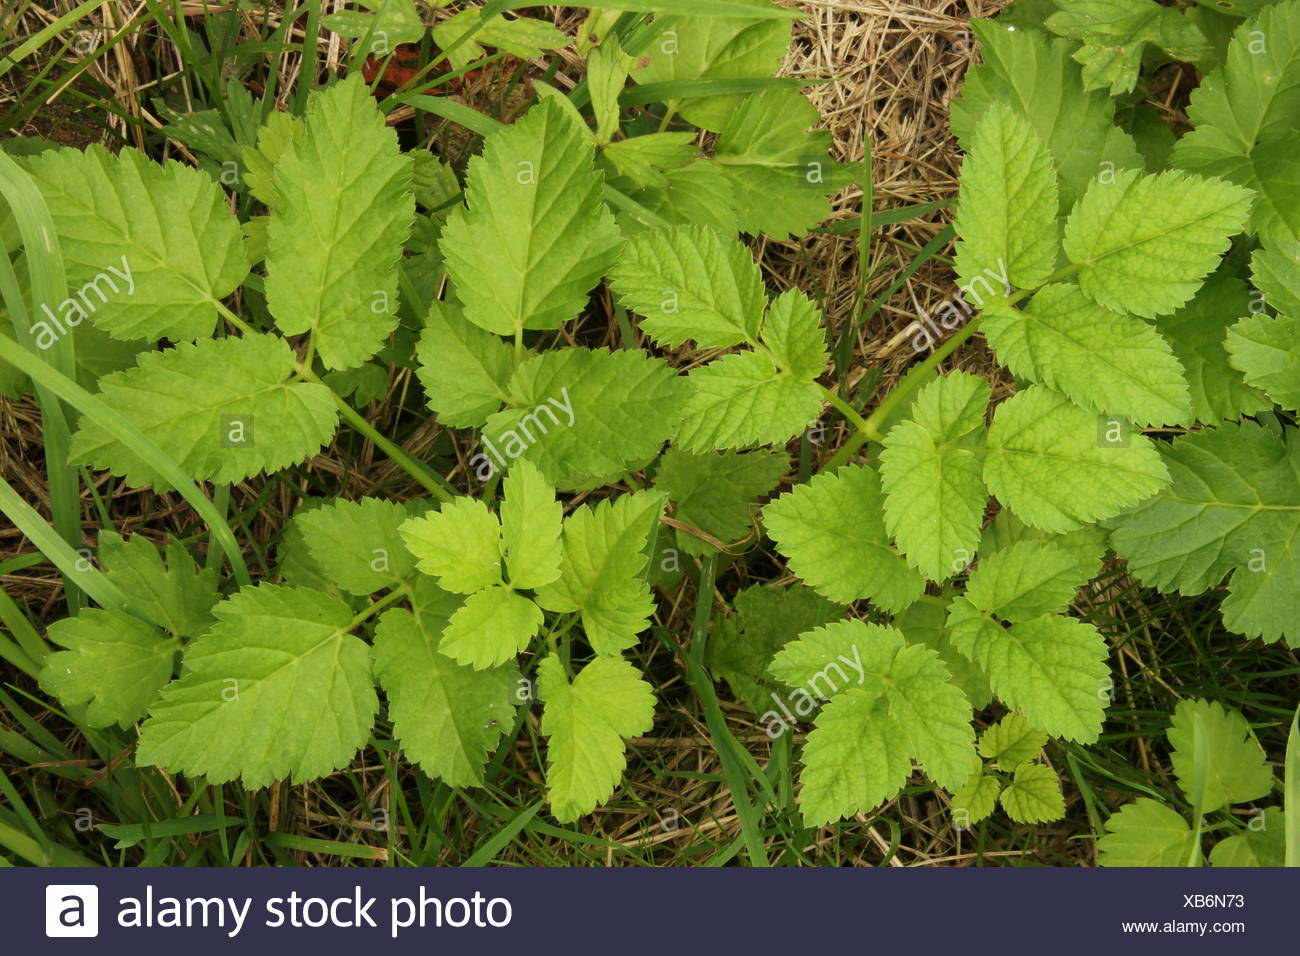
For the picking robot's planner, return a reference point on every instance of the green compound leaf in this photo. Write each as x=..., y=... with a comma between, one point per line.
x=530, y=528
x=278, y=688
x=1026, y=580
x=343, y=209
x=1100, y=359
x=602, y=571
x=534, y=237
x=447, y=717
x=175, y=596
x=716, y=492
x=792, y=332
x=1233, y=508
x=224, y=409
x=460, y=545
x=976, y=799
x=586, y=723
x=1011, y=742
x=150, y=250
x=1234, y=769
x=934, y=494
x=690, y=283
x=1034, y=75
x=465, y=371
x=1033, y=795
x=1007, y=209
x=356, y=543
x=1047, y=461
x=1196, y=333
x=584, y=415
x=832, y=532
x=491, y=627
x=1266, y=349
x=743, y=400
x=1144, y=243
x=1053, y=668
x=114, y=663
x=1115, y=35
x=1145, y=833
x=777, y=165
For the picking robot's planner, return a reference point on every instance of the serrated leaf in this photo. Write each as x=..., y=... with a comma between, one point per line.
x=1086, y=545
x=1046, y=461
x=530, y=528
x=447, y=717
x=1033, y=795
x=387, y=23
x=586, y=723
x=742, y=400
x=689, y=283
x=584, y=415
x=1011, y=742
x=1262, y=844
x=1233, y=769
x=1233, y=507
x=150, y=250
x=357, y=543
x=534, y=237
x=1025, y=580
x=976, y=799
x=1266, y=349
x=460, y=544
x=699, y=194
x=716, y=492
x=792, y=332
x=645, y=160
x=602, y=571
x=832, y=532
x=278, y=688
x=607, y=67
x=1053, y=668
x=176, y=596
x=491, y=627
x=465, y=371
x=1275, y=271
x=273, y=138
x=523, y=37
x=927, y=623
x=1145, y=833
x=114, y=663
x=1008, y=204
x=934, y=494
x=224, y=409
x=1100, y=359
x=343, y=210
x=1144, y=243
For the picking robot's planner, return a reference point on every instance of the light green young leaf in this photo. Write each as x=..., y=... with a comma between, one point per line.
x=602, y=571
x=1033, y=795
x=1025, y=580
x=1053, y=668
x=1263, y=843
x=607, y=67
x=716, y=492
x=356, y=543
x=934, y=494
x=1086, y=545
x=1145, y=833
x=583, y=415
x=646, y=159
x=586, y=723
x=688, y=282
x=742, y=400
x=976, y=799
x=523, y=37
x=278, y=688
x=792, y=332
x=832, y=532
x=447, y=717
x=1100, y=359
x=465, y=371
x=530, y=528
x=1233, y=507
x=1275, y=271
x=927, y=624
x=176, y=596
x=114, y=663
x=1266, y=349
x=388, y=23
x=491, y=627
x=273, y=138
x=1235, y=768
x=1144, y=243
x=699, y=194
x=1011, y=742
x=460, y=545
x=150, y=250
x=535, y=236
x=1007, y=210
x=224, y=409
x=343, y=210
x=1047, y=462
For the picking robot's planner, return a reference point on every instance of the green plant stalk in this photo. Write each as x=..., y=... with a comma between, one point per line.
x=1291, y=792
